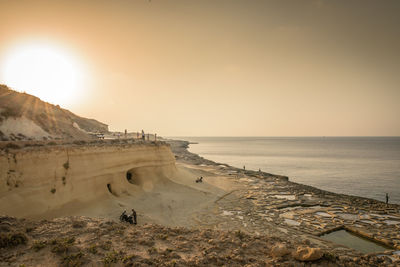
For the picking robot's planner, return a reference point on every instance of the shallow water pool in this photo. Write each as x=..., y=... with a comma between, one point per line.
x=353, y=241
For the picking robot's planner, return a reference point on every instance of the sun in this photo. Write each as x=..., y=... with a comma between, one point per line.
x=45, y=70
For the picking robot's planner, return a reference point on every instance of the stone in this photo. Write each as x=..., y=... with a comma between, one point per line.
x=307, y=254
x=279, y=250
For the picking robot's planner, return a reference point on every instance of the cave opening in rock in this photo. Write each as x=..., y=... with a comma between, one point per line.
x=109, y=188
x=129, y=176
x=133, y=178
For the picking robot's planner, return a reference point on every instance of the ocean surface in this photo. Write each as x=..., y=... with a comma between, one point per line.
x=361, y=166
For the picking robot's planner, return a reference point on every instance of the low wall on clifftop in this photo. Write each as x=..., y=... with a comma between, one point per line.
x=37, y=180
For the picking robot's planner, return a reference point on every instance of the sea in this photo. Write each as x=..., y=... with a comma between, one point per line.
x=361, y=166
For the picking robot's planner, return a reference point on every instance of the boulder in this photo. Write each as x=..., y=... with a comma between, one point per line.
x=307, y=254
x=279, y=250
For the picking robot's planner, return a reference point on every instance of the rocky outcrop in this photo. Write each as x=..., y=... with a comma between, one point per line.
x=25, y=117
x=39, y=180
x=307, y=254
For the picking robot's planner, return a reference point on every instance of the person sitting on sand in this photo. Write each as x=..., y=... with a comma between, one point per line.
x=123, y=217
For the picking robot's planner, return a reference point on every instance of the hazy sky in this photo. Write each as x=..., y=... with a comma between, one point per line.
x=226, y=68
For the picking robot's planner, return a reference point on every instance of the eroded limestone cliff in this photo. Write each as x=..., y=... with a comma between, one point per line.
x=44, y=181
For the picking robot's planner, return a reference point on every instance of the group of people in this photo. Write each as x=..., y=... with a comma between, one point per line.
x=199, y=180
x=128, y=218
x=143, y=136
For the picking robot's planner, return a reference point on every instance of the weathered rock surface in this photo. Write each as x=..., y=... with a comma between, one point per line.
x=279, y=250
x=307, y=254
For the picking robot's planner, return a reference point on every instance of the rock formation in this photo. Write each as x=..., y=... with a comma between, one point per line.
x=26, y=117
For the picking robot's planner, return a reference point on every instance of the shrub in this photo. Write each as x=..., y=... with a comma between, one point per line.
x=106, y=245
x=38, y=245
x=73, y=259
x=239, y=234
x=79, y=142
x=111, y=257
x=66, y=165
x=92, y=249
x=53, y=190
x=12, y=239
x=12, y=146
x=62, y=245
x=78, y=224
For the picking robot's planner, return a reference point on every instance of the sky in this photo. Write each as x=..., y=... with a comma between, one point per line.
x=220, y=68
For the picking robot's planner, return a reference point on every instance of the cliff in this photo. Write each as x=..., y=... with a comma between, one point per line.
x=25, y=117
x=48, y=181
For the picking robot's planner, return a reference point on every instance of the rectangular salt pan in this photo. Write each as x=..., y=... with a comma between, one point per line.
x=353, y=241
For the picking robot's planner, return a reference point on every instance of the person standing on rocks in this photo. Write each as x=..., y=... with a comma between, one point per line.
x=134, y=216
x=143, y=136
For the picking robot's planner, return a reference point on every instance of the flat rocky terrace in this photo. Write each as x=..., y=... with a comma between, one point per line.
x=264, y=203
x=7, y=145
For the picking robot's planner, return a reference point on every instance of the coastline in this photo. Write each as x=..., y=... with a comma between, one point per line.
x=182, y=154
x=305, y=208
x=235, y=217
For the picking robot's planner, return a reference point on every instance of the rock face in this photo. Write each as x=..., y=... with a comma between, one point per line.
x=23, y=116
x=307, y=254
x=37, y=181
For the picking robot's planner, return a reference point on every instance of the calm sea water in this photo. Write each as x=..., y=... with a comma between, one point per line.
x=362, y=166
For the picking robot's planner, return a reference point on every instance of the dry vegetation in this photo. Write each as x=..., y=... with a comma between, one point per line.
x=80, y=241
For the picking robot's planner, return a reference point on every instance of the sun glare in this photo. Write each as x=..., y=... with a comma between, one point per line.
x=45, y=70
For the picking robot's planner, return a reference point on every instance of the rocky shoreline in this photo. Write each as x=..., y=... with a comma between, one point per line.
x=301, y=211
